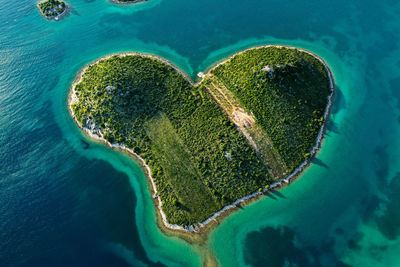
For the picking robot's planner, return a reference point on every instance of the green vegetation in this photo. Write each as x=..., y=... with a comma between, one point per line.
x=52, y=8
x=199, y=159
x=179, y=168
x=247, y=125
x=286, y=91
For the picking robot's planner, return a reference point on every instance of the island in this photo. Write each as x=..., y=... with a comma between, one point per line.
x=53, y=9
x=251, y=124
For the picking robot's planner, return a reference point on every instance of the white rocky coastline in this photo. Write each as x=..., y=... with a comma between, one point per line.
x=56, y=18
x=95, y=134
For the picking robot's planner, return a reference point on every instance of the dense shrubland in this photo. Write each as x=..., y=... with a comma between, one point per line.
x=200, y=162
x=131, y=98
x=52, y=8
x=287, y=92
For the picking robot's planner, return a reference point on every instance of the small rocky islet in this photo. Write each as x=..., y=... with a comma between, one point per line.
x=53, y=9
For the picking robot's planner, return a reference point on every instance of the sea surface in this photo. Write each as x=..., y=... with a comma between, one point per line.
x=66, y=201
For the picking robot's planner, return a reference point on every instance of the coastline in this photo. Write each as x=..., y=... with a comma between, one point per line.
x=192, y=232
x=55, y=18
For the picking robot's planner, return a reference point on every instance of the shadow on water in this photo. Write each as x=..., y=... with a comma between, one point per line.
x=238, y=205
x=339, y=103
x=86, y=145
x=319, y=162
x=277, y=193
x=332, y=127
x=268, y=194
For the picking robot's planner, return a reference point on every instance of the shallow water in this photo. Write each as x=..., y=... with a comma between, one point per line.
x=66, y=202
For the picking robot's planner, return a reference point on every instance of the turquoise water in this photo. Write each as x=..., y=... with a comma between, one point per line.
x=65, y=201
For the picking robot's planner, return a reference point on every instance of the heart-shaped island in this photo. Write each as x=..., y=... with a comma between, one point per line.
x=253, y=122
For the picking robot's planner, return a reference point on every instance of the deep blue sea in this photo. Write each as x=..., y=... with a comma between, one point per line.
x=65, y=201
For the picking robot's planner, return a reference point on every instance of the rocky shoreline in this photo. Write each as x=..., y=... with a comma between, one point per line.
x=199, y=227
x=55, y=18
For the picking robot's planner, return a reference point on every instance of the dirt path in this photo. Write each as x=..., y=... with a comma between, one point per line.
x=246, y=124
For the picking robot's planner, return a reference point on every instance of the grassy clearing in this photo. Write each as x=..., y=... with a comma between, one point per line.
x=180, y=172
